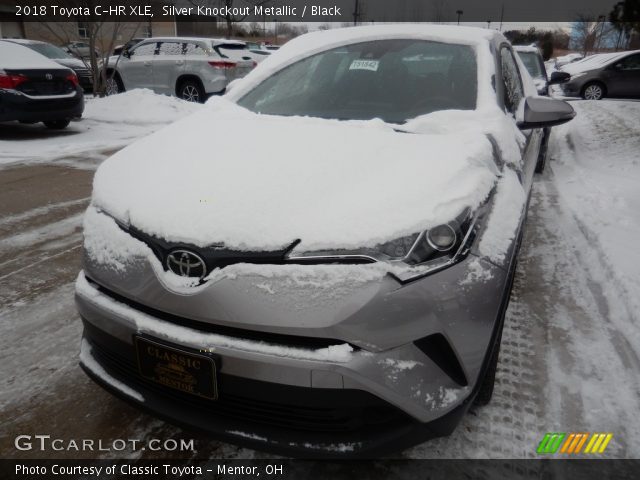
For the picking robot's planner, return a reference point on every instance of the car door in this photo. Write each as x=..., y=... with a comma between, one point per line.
x=513, y=94
x=168, y=64
x=136, y=69
x=624, y=77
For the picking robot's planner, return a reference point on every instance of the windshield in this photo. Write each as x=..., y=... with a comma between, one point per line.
x=49, y=51
x=532, y=63
x=394, y=80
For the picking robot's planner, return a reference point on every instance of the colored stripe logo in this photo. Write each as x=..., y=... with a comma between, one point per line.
x=573, y=443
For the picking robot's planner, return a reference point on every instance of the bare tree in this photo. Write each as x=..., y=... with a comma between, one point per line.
x=588, y=33
x=229, y=18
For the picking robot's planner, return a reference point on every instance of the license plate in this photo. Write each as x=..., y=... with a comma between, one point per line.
x=174, y=368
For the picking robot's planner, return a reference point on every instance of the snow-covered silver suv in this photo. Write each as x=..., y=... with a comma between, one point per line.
x=189, y=68
x=338, y=284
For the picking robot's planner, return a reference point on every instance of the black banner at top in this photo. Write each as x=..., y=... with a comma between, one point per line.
x=339, y=11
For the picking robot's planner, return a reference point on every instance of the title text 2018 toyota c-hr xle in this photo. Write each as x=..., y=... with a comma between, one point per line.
x=337, y=286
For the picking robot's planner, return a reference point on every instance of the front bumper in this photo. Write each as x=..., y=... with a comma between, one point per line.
x=291, y=399
x=16, y=106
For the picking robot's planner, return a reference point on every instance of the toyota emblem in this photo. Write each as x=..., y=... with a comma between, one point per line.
x=186, y=264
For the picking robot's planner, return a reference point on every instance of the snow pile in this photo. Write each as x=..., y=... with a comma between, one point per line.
x=342, y=353
x=138, y=107
x=329, y=183
x=108, y=124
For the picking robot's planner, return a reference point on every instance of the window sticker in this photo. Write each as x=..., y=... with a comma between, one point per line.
x=371, y=65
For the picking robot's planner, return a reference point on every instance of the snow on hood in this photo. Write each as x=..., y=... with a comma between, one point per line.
x=14, y=56
x=260, y=182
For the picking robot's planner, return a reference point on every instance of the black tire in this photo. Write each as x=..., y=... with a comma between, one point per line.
x=542, y=156
x=114, y=84
x=593, y=91
x=57, y=124
x=191, y=91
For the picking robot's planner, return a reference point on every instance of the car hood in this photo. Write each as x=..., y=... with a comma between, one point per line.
x=226, y=175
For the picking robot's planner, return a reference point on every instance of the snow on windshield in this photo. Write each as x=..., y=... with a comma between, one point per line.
x=394, y=80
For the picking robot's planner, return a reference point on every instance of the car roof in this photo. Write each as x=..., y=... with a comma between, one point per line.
x=16, y=56
x=216, y=41
x=24, y=41
x=526, y=48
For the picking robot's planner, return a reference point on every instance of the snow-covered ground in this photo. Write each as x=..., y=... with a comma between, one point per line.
x=107, y=125
x=570, y=356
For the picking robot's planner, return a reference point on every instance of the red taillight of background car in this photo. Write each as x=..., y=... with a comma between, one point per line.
x=8, y=80
x=73, y=78
x=223, y=64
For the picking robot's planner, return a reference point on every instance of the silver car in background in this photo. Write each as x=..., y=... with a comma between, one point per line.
x=189, y=68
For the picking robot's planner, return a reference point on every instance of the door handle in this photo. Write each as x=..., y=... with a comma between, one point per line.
x=179, y=62
x=147, y=63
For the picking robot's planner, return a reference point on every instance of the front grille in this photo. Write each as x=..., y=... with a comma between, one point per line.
x=275, y=338
x=280, y=406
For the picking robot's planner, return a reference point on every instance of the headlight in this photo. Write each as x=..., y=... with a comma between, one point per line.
x=410, y=256
x=577, y=75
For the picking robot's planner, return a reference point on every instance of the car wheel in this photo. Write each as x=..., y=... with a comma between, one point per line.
x=57, y=124
x=114, y=85
x=593, y=91
x=191, y=91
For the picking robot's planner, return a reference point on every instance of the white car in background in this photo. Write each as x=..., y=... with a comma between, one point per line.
x=189, y=68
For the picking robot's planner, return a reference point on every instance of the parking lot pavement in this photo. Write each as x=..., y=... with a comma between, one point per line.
x=569, y=360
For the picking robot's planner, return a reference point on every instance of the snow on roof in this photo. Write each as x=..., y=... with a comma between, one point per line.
x=595, y=61
x=526, y=48
x=23, y=41
x=14, y=56
x=215, y=41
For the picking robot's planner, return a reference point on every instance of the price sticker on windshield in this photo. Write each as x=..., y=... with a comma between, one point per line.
x=371, y=65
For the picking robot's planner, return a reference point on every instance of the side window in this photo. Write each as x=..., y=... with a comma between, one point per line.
x=513, y=91
x=630, y=63
x=170, y=48
x=193, y=49
x=144, y=49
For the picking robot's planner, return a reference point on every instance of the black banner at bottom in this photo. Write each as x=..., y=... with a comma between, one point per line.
x=104, y=469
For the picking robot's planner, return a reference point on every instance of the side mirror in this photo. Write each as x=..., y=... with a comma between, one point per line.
x=540, y=112
x=559, y=77
x=126, y=54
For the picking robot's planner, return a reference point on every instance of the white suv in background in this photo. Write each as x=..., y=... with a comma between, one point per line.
x=189, y=68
